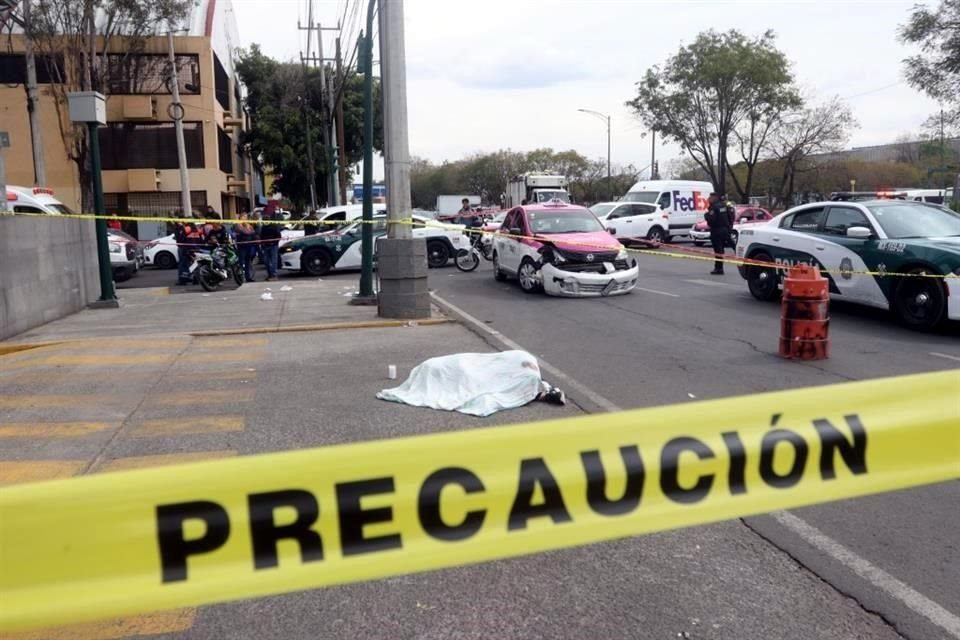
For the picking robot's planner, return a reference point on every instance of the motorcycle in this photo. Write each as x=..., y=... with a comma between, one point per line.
x=211, y=269
x=481, y=245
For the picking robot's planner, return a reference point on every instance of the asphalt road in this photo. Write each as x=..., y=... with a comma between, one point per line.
x=683, y=335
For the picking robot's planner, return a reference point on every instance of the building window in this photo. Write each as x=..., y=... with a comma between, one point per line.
x=226, y=153
x=138, y=74
x=13, y=69
x=127, y=145
x=221, y=83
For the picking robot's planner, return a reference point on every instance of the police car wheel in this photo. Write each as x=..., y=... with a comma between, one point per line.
x=698, y=243
x=763, y=281
x=528, y=276
x=438, y=254
x=920, y=303
x=316, y=262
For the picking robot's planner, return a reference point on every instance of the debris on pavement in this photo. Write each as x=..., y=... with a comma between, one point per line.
x=477, y=384
x=286, y=288
x=691, y=395
x=266, y=296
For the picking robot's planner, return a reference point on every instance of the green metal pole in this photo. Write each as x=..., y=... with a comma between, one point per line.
x=107, y=294
x=366, y=234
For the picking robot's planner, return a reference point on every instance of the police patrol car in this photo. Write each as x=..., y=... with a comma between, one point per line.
x=321, y=253
x=847, y=239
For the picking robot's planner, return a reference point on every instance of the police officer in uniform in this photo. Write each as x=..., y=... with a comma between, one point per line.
x=720, y=223
x=189, y=237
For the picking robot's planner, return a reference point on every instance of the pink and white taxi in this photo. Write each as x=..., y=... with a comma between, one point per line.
x=564, y=250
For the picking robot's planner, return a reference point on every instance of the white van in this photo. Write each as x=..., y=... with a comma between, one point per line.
x=684, y=200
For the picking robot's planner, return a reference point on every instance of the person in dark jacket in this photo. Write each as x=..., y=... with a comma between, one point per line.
x=720, y=223
x=310, y=226
x=189, y=238
x=270, y=239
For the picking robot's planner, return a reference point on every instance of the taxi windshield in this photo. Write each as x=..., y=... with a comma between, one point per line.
x=569, y=221
x=900, y=219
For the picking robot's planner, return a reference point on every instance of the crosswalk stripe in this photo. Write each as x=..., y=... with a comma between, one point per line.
x=185, y=426
x=30, y=401
x=91, y=360
x=176, y=621
x=53, y=429
x=161, y=460
x=199, y=398
x=21, y=471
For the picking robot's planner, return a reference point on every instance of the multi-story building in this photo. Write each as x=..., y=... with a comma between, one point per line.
x=138, y=144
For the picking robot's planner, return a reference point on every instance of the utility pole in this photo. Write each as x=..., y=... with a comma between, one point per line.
x=606, y=119
x=654, y=173
x=332, y=189
x=341, y=136
x=304, y=107
x=176, y=112
x=402, y=258
x=324, y=117
x=943, y=157
x=33, y=101
x=366, y=294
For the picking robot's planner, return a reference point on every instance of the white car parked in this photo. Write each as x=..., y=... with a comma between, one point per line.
x=162, y=253
x=633, y=221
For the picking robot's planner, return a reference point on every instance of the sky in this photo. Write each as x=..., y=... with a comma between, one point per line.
x=493, y=74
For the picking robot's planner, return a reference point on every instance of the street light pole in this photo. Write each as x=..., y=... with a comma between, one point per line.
x=605, y=118
x=177, y=112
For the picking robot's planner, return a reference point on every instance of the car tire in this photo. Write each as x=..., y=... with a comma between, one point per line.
x=438, y=254
x=698, y=243
x=121, y=274
x=498, y=273
x=164, y=260
x=920, y=303
x=316, y=262
x=763, y=282
x=527, y=275
x=658, y=235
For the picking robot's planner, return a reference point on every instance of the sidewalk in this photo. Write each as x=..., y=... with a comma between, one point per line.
x=144, y=392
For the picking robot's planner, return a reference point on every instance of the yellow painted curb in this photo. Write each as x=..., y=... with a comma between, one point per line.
x=332, y=326
x=6, y=349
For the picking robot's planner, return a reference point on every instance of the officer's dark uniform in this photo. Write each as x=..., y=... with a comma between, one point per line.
x=720, y=225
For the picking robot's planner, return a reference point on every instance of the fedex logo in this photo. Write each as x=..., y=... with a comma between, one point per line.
x=695, y=202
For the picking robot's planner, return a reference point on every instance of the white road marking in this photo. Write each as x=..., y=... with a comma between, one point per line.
x=874, y=575
x=913, y=599
x=710, y=283
x=661, y=293
x=945, y=355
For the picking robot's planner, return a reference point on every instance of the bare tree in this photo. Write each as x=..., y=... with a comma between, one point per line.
x=73, y=38
x=804, y=133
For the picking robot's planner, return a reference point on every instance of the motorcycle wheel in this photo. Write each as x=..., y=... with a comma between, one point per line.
x=467, y=260
x=209, y=280
x=237, y=274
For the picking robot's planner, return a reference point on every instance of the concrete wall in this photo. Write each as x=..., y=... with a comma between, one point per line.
x=48, y=269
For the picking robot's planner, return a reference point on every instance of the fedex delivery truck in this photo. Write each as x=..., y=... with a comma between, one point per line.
x=685, y=201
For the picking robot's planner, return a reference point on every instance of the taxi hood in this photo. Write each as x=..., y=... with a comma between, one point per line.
x=582, y=242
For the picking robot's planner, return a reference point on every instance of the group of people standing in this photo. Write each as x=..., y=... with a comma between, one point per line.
x=255, y=237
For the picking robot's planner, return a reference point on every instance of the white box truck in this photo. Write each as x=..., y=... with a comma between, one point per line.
x=685, y=201
x=450, y=205
x=535, y=188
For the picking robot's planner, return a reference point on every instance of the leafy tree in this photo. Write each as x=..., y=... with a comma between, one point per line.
x=799, y=135
x=71, y=38
x=281, y=98
x=720, y=86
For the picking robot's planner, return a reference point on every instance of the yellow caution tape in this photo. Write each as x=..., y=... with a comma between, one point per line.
x=130, y=542
x=736, y=261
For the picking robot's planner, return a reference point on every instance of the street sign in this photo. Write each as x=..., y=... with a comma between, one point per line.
x=4, y=139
